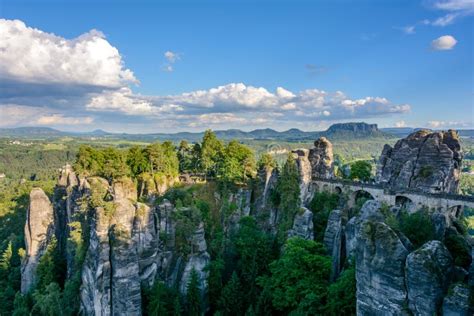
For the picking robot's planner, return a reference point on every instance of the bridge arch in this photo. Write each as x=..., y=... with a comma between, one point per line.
x=337, y=190
x=404, y=202
x=360, y=196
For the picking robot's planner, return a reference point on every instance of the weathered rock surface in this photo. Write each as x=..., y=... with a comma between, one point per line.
x=427, y=161
x=198, y=260
x=305, y=174
x=321, y=159
x=110, y=274
x=456, y=303
x=334, y=241
x=314, y=163
x=380, y=261
x=428, y=271
x=303, y=225
x=39, y=229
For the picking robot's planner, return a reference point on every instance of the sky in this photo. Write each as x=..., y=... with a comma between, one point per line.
x=170, y=66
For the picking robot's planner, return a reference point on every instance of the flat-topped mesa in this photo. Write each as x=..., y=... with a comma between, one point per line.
x=424, y=160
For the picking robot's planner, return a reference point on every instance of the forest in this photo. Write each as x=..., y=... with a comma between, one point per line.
x=252, y=271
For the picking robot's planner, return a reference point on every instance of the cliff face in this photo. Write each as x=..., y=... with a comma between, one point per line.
x=39, y=230
x=393, y=278
x=426, y=161
x=315, y=163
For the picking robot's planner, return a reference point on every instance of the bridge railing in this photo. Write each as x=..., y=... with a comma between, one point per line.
x=391, y=191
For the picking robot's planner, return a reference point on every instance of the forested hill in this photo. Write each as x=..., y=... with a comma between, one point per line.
x=334, y=132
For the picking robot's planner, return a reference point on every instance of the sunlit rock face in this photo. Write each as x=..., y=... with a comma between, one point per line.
x=39, y=229
x=321, y=159
x=427, y=161
x=314, y=163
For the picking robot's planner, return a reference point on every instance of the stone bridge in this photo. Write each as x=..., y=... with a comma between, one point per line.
x=411, y=199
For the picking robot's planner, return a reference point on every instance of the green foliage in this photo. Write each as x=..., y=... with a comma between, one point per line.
x=193, y=295
x=266, y=162
x=48, y=302
x=286, y=196
x=254, y=253
x=215, y=268
x=211, y=152
x=425, y=172
x=137, y=160
x=299, y=278
x=231, y=300
x=466, y=184
x=160, y=299
x=459, y=249
x=321, y=205
x=163, y=159
x=417, y=227
x=112, y=163
x=361, y=170
x=342, y=294
x=238, y=163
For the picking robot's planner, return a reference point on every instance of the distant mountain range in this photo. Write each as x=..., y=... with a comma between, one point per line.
x=342, y=131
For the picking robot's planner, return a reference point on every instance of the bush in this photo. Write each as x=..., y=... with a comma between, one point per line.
x=342, y=294
x=417, y=227
x=459, y=249
x=321, y=205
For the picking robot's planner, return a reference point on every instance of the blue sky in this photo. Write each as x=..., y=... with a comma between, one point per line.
x=236, y=64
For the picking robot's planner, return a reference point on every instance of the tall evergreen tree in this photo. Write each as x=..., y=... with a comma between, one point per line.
x=230, y=302
x=288, y=195
x=193, y=295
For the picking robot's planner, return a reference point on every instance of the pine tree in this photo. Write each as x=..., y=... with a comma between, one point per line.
x=230, y=302
x=288, y=192
x=6, y=257
x=193, y=295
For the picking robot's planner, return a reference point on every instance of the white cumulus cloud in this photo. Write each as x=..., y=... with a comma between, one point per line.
x=445, y=42
x=32, y=56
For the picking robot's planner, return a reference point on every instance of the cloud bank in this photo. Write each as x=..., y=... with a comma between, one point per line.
x=50, y=80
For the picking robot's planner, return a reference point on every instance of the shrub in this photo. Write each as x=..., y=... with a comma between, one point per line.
x=459, y=249
x=321, y=205
x=417, y=227
x=342, y=294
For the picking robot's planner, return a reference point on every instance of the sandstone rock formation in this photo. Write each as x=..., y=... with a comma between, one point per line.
x=198, y=261
x=334, y=241
x=428, y=271
x=456, y=303
x=303, y=225
x=380, y=261
x=314, y=163
x=321, y=159
x=427, y=161
x=39, y=230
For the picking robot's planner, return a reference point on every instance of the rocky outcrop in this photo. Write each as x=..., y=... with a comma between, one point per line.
x=321, y=159
x=110, y=274
x=428, y=271
x=456, y=303
x=314, y=163
x=380, y=262
x=334, y=241
x=303, y=225
x=198, y=261
x=39, y=229
x=146, y=239
x=305, y=170
x=427, y=161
